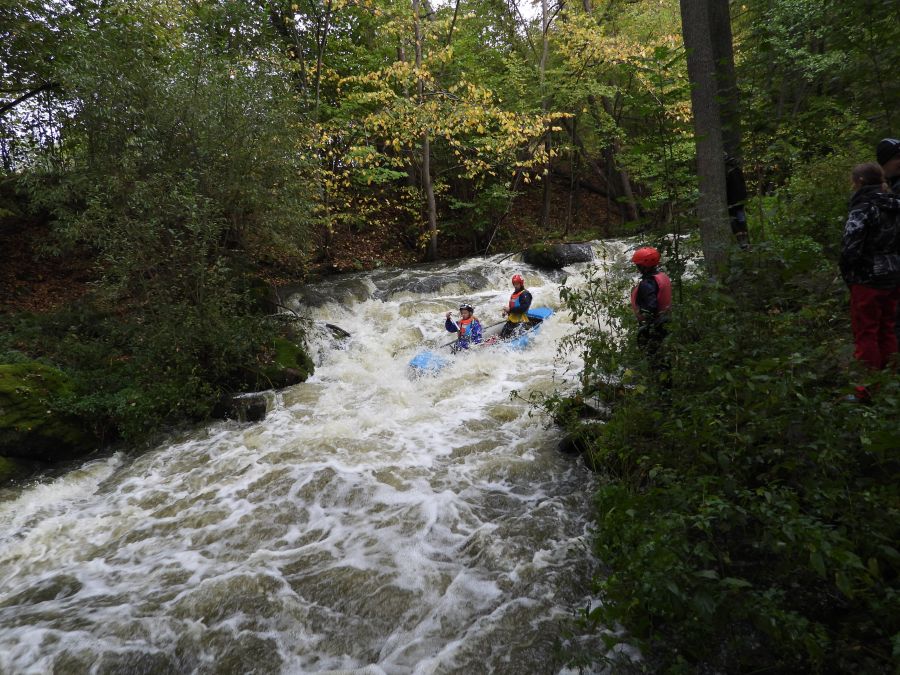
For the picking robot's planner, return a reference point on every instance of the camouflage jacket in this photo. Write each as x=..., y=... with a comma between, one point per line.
x=870, y=247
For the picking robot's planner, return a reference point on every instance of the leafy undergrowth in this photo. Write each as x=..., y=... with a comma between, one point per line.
x=750, y=517
x=135, y=373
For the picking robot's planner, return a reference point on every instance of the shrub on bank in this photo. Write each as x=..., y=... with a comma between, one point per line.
x=750, y=518
x=132, y=374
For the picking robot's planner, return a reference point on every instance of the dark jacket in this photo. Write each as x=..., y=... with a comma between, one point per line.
x=522, y=304
x=870, y=247
x=735, y=185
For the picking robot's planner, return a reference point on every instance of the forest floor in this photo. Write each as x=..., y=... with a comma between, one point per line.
x=32, y=280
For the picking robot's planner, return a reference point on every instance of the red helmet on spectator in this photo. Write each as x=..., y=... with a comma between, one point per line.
x=517, y=279
x=646, y=257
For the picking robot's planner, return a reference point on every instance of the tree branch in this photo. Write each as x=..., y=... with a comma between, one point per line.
x=24, y=97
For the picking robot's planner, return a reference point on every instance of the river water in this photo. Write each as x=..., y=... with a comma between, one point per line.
x=372, y=523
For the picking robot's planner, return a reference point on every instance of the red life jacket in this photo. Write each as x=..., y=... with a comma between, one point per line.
x=465, y=326
x=663, y=295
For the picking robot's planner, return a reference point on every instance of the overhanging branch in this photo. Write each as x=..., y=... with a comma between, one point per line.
x=6, y=107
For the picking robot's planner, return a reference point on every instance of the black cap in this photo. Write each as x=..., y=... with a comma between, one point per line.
x=886, y=150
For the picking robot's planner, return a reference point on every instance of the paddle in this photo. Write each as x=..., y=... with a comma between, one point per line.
x=493, y=325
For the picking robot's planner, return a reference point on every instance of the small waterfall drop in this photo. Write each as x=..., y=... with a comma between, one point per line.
x=372, y=523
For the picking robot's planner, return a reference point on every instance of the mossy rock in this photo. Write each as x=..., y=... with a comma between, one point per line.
x=11, y=468
x=291, y=364
x=283, y=363
x=30, y=428
x=539, y=255
x=572, y=408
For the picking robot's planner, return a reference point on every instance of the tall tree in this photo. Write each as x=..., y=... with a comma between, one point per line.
x=726, y=79
x=712, y=211
x=427, y=185
x=730, y=106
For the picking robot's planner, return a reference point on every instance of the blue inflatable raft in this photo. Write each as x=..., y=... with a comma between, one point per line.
x=430, y=361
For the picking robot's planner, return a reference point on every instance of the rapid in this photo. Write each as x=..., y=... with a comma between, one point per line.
x=372, y=523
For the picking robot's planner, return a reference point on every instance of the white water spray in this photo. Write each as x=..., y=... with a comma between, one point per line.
x=371, y=524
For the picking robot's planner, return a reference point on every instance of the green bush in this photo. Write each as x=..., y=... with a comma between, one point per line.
x=181, y=193
x=156, y=365
x=750, y=517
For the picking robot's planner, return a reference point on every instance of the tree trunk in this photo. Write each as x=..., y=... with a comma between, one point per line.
x=427, y=186
x=573, y=182
x=631, y=212
x=321, y=42
x=723, y=53
x=412, y=179
x=711, y=206
x=284, y=27
x=576, y=138
x=729, y=102
x=429, y=195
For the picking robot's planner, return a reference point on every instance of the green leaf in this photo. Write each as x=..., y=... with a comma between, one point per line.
x=818, y=563
x=843, y=584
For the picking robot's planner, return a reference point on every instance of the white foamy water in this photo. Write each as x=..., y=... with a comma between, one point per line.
x=371, y=524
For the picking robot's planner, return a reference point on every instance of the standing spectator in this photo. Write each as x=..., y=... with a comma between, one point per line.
x=870, y=265
x=651, y=301
x=888, y=154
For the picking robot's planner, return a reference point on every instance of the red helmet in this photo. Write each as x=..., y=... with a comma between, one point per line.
x=517, y=279
x=646, y=257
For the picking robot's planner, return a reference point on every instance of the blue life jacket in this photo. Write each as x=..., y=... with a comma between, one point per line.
x=469, y=331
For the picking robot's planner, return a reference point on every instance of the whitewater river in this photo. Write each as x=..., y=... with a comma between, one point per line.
x=370, y=524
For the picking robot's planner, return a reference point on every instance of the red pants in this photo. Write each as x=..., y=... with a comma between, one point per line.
x=872, y=313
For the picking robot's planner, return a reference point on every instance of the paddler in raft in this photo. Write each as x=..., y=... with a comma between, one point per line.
x=516, y=312
x=468, y=328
